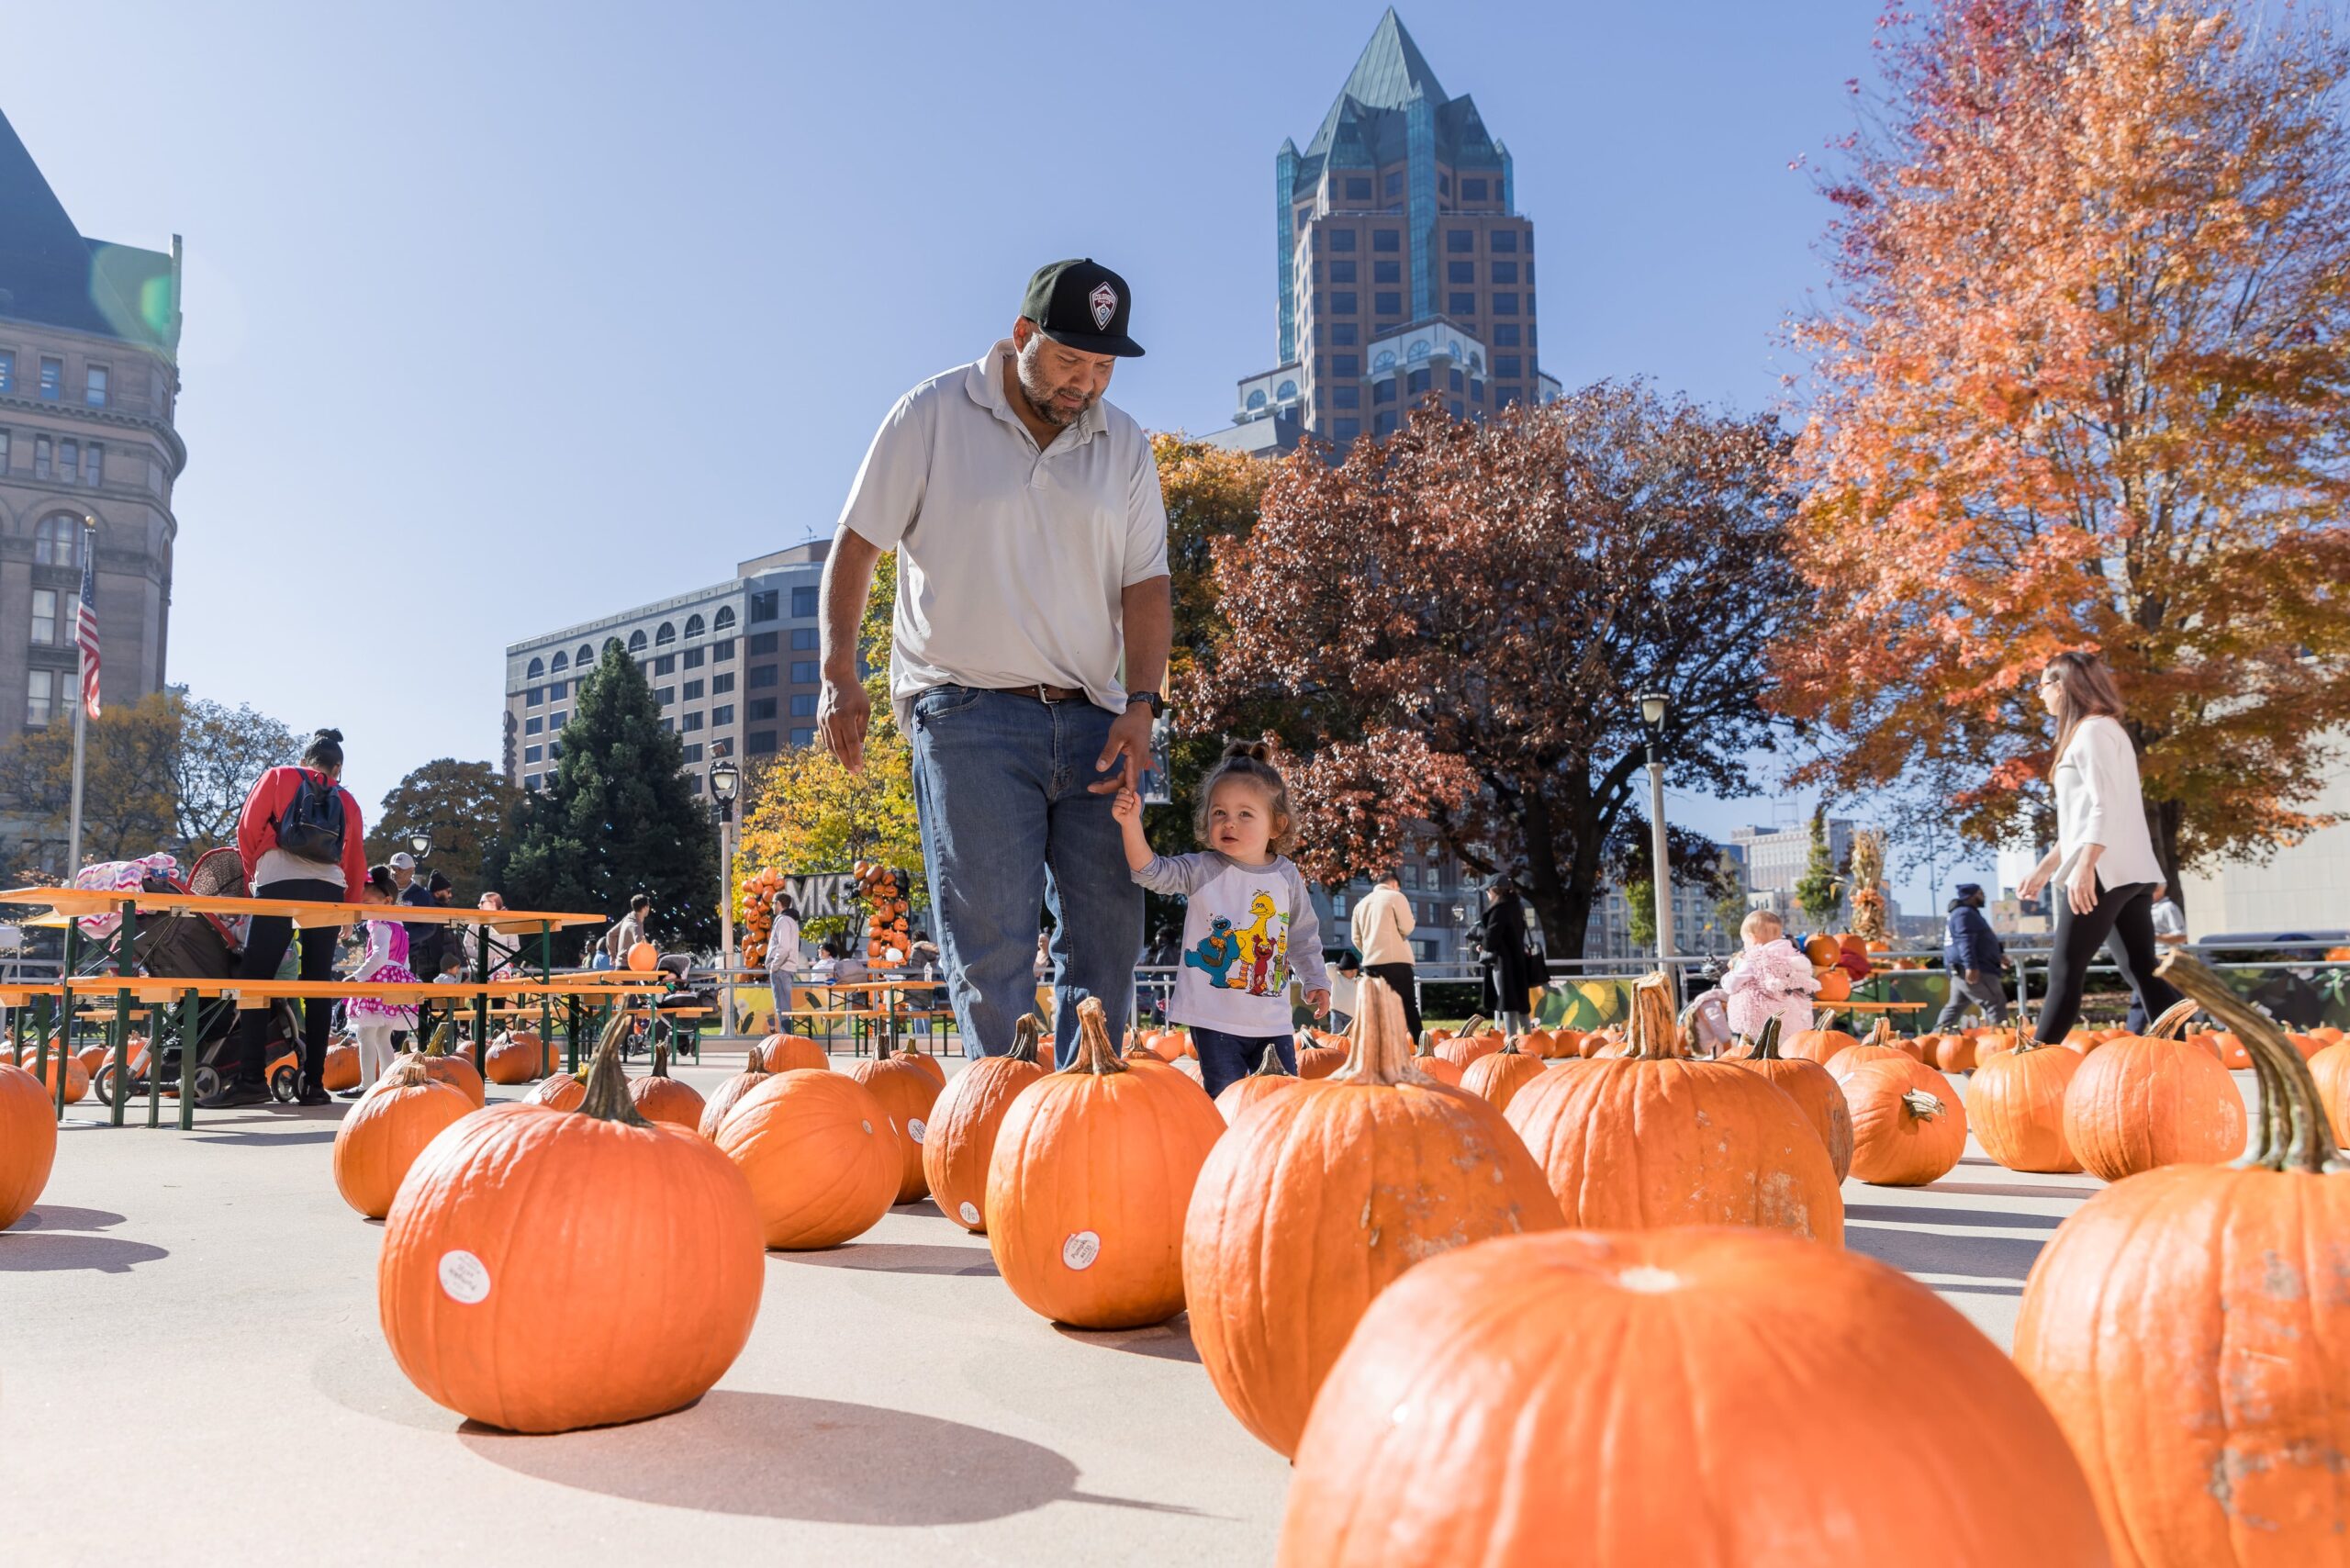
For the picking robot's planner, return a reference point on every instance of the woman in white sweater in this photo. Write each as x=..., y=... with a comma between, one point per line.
x=2104, y=867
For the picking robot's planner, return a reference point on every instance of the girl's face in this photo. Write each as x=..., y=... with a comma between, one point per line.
x=1240, y=819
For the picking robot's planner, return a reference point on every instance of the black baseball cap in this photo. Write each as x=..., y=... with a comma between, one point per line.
x=1082, y=305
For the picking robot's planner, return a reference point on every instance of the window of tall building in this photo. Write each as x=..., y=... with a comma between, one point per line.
x=1504, y=272
x=1320, y=367
x=40, y=457
x=1460, y=271
x=45, y=616
x=760, y=744
x=93, y=465
x=722, y=683
x=1507, y=364
x=1347, y=397
x=1343, y=303
x=1344, y=335
x=664, y=695
x=1455, y=381
x=666, y=664
x=1505, y=396
x=1383, y=391
x=1388, y=241
x=1386, y=272
x=1346, y=430
x=1411, y=875
x=1476, y=391
x=557, y=690
x=803, y=672
x=534, y=754
x=1456, y=241
x=695, y=627
x=1458, y=411
x=557, y=720
x=1346, y=364
x=94, y=385
x=691, y=722
x=803, y=603
x=8, y=370
x=693, y=657
x=1472, y=189
x=691, y=691
x=766, y=605
x=586, y=656
x=1460, y=304
x=1358, y=187
x=693, y=754
x=1505, y=241
x=536, y=697
x=1444, y=185
x=1304, y=217
x=534, y=669
x=762, y=676
x=554, y=751
x=40, y=697
x=531, y=781
x=52, y=379
x=722, y=650
x=722, y=714
x=1342, y=272
x=1384, y=424
x=58, y=541
x=803, y=639
x=3, y=453
x=1342, y=241
x=803, y=737
x=1505, y=303
x=803, y=706
x=1416, y=381
x=636, y=641
x=1529, y=304
x=1387, y=303
x=665, y=633
x=758, y=708
x=69, y=460
x=724, y=620
x=1394, y=182
x=764, y=643
x=1505, y=336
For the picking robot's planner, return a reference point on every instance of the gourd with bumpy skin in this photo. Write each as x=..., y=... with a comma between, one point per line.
x=380, y=1138
x=960, y=1138
x=661, y=1098
x=27, y=1142
x=1809, y=1086
x=643, y=1243
x=1653, y=1139
x=1093, y=1169
x=1269, y=1079
x=2188, y=1328
x=1504, y=1406
x=1322, y=1197
x=2141, y=1102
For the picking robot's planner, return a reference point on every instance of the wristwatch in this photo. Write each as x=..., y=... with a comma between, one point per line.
x=1157, y=703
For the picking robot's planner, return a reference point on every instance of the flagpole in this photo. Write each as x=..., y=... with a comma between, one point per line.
x=81, y=727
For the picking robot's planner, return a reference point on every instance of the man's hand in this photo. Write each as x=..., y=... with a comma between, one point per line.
x=1129, y=738
x=1320, y=1002
x=843, y=713
x=1975, y=976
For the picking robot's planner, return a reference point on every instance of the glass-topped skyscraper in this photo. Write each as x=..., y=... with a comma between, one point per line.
x=1402, y=264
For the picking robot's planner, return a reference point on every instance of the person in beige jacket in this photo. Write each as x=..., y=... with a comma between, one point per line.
x=1383, y=931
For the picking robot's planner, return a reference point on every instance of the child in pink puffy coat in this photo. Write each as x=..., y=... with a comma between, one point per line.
x=1772, y=979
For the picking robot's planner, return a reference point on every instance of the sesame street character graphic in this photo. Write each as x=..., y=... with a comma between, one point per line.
x=1217, y=952
x=1264, y=942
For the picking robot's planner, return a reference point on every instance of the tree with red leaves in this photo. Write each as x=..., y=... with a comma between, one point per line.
x=2084, y=384
x=1455, y=625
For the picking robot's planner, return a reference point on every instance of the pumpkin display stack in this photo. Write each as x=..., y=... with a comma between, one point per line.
x=648, y=1255
x=2149, y=1100
x=1322, y=1197
x=755, y=913
x=1500, y=1406
x=887, y=932
x=1654, y=1138
x=2188, y=1329
x=960, y=1137
x=1092, y=1172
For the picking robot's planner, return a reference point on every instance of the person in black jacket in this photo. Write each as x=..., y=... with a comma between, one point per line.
x=1974, y=955
x=1511, y=973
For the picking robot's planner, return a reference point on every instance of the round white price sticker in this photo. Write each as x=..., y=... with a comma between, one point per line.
x=1080, y=1251
x=915, y=1128
x=970, y=1213
x=464, y=1277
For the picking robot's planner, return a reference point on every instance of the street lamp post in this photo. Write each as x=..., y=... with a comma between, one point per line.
x=419, y=844
x=725, y=778
x=1653, y=707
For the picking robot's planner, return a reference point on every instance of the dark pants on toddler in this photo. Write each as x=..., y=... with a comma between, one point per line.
x=1224, y=1058
x=265, y=947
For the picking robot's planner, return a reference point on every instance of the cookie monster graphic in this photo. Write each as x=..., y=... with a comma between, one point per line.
x=1217, y=951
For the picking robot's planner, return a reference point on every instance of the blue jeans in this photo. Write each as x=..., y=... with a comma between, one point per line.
x=1008, y=826
x=1224, y=1058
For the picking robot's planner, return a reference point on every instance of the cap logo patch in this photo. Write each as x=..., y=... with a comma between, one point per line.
x=1104, y=300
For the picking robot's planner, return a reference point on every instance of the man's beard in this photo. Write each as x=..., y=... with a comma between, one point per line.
x=1040, y=398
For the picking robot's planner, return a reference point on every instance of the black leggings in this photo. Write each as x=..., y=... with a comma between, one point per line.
x=2123, y=923
x=1400, y=979
x=265, y=947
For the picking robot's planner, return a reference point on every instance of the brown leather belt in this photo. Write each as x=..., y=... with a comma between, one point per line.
x=1043, y=693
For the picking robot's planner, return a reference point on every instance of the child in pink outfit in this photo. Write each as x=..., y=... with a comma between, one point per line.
x=1772, y=979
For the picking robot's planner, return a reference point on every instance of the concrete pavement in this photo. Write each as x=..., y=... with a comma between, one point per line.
x=191, y=1373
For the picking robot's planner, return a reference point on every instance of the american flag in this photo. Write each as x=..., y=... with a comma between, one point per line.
x=85, y=622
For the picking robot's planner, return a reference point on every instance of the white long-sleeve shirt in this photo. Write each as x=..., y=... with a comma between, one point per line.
x=2100, y=800
x=1247, y=929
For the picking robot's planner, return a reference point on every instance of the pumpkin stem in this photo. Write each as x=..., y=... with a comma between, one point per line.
x=1381, y=1049
x=2026, y=1040
x=1766, y=1045
x=1024, y=1035
x=1922, y=1106
x=2172, y=1022
x=607, y=1098
x=2289, y=1102
x=1653, y=1034
x=1094, y=1053
x=757, y=1066
x=408, y=1070
x=1272, y=1066
x=437, y=1045
x=661, y=1058
x=1882, y=1035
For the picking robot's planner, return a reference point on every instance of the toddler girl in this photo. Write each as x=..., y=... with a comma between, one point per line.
x=1772, y=979
x=372, y=1022
x=1249, y=922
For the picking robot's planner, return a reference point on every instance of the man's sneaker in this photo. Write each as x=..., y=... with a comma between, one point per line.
x=235, y=1093
x=313, y=1094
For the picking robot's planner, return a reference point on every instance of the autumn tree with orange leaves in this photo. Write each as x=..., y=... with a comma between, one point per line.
x=2085, y=383
x=1454, y=626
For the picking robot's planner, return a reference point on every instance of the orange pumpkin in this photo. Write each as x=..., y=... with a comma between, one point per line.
x=727, y=1096
x=959, y=1137
x=343, y=1069
x=1818, y=1045
x=1427, y=1062
x=1812, y=1088
x=2330, y=1069
x=2187, y=1328
x=1879, y=1047
x=458, y=1072
x=511, y=1062
x=1498, y=1078
x=925, y=1060
x=1092, y=1171
x=819, y=1154
x=649, y=1257
x=1655, y=1138
x=380, y=1138
x=27, y=1142
x=2152, y=1099
x=661, y=1098
x=2015, y=1105
x=1492, y=1403
x=1955, y=1053
x=907, y=1095
x=782, y=1053
x=1324, y=1197
x=78, y=1077
x=1823, y=951
x=1908, y=1125
x=1250, y=1088
x=557, y=1092
x=1315, y=1059
x=1473, y=1041
x=1835, y=985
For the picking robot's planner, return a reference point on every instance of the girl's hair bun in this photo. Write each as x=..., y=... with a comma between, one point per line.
x=1254, y=751
x=334, y=735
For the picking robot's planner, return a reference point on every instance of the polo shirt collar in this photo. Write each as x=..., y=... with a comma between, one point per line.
x=984, y=382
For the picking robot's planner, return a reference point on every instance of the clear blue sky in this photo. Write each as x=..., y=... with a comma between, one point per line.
x=505, y=316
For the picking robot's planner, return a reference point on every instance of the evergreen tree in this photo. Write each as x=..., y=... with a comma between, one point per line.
x=1820, y=891
x=617, y=818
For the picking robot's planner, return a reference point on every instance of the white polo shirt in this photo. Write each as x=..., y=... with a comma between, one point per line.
x=1012, y=560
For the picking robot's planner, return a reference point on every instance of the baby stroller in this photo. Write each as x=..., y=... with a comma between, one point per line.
x=678, y=991
x=187, y=945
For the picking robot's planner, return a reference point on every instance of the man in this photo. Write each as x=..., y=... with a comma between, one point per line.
x=2170, y=931
x=1026, y=651
x=1973, y=954
x=1383, y=931
x=627, y=932
x=425, y=943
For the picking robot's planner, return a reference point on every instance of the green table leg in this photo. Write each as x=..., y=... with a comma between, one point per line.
x=191, y=1021
x=157, y=1017
x=546, y=978
x=481, y=1006
x=65, y=1009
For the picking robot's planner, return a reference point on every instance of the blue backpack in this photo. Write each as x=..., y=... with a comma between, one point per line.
x=311, y=828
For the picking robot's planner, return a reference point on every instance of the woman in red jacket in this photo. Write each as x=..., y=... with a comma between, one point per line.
x=299, y=838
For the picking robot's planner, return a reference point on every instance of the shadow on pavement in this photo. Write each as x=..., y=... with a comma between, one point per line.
x=1993, y=1190
x=1168, y=1341
x=1922, y=1252
x=43, y=1252
x=1890, y=1214
x=266, y=1140
x=57, y=1216
x=898, y=1258
x=781, y=1457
